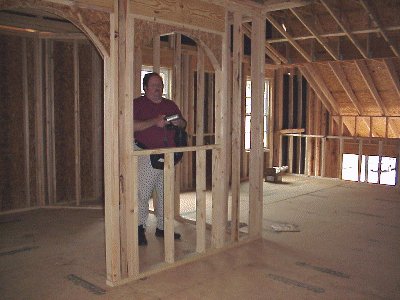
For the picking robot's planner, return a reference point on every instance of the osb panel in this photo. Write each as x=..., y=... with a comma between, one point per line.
x=388, y=11
x=293, y=25
x=392, y=102
x=12, y=162
x=394, y=128
x=378, y=127
x=85, y=107
x=350, y=123
x=379, y=75
x=329, y=77
x=64, y=120
x=363, y=126
x=146, y=30
x=371, y=149
x=98, y=22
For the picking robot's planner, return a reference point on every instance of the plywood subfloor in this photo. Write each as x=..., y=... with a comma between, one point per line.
x=339, y=240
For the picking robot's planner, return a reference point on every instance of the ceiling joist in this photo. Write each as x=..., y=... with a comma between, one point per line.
x=315, y=34
x=342, y=22
x=282, y=31
x=375, y=19
x=393, y=74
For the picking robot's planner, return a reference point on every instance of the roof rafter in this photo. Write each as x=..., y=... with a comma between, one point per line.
x=317, y=88
x=318, y=79
x=341, y=22
x=282, y=31
x=374, y=17
x=316, y=35
x=271, y=52
x=393, y=74
x=364, y=71
x=341, y=76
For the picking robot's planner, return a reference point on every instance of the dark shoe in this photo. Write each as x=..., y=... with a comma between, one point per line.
x=160, y=233
x=141, y=236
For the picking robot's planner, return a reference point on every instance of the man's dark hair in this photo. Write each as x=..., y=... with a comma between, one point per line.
x=147, y=77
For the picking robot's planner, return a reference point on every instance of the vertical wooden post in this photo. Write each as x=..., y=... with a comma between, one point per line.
x=50, y=127
x=169, y=179
x=77, y=126
x=200, y=201
x=38, y=67
x=278, y=117
x=128, y=202
x=256, y=152
x=26, y=123
x=340, y=158
x=398, y=165
x=290, y=154
x=177, y=83
x=185, y=174
x=236, y=122
x=360, y=151
x=219, y=176
x=97, y=144
x=111, y=158
x=380, y=150
x=137, y=65
x=299, y=120
x=200, y=98
x=156, y=54
x=323, y=156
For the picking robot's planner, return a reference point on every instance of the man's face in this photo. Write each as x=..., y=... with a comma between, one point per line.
x=154, y=89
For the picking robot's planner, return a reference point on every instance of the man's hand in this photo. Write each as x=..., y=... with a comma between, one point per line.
x=179, y=123
x=160, y=121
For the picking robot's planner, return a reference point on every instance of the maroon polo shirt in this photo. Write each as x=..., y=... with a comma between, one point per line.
x=154, y=137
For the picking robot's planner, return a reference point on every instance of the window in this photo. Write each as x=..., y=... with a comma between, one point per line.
x=248, y=114
x=371, y=165
x=165, y=75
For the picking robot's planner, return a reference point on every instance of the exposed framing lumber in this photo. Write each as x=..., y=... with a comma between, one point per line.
x=186, y=174
x=26, y=123
x=200, y=201
x=317, y=88
x=38, y=90
x=345, y=27
x=256, y=151
x=220, y=189
x=200, y=98
x=50, y=126
x=276, y=24
x=97, y=144
x=77, y=127
x=128, y=203
x=156, y=54
x=169, y=196
x=271, y=52
x=341, y=77
x=111, y=161
x=393, y=74
x=334, y=34
x=315, y=34
x=237, y=56
x=374, y=17
x=177, y=96
x=364, y=72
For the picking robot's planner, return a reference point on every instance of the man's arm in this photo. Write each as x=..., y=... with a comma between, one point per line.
x=142, y=125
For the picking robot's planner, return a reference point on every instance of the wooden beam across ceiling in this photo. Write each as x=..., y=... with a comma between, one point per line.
x=315, y=34
x=341, y=76
x=364, y=71
x=374, y=17
x=282, y=31
x=343, y=23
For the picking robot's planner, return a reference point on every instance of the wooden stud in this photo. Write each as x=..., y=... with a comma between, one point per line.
x=156, y=54
x=256, y=151
x=380, y=152
x=360, y=151
x=111, y=159
x=200, y=98
x=169, y=184
x=40, y=180
x=97, y=119
x=77, y=127
x=26, y=123
x=236, y=123
x=185, y=175
x=200, y=201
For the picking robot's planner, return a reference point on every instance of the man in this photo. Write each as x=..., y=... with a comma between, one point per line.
x=150, y=132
